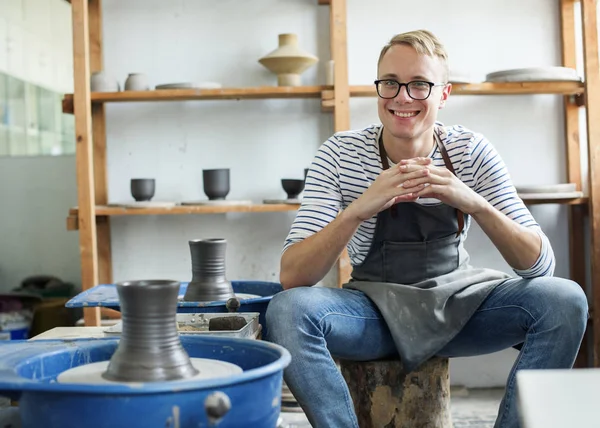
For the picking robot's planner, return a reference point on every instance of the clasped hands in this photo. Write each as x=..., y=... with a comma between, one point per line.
x=412, y=179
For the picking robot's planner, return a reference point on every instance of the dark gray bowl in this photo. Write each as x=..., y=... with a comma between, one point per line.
x=216, y=183
x=142, y=189
x=292, y=187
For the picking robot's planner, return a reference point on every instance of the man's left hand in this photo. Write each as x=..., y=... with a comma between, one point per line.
x=443, y=185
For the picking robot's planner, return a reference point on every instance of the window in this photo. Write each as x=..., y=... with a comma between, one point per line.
x=32, y=122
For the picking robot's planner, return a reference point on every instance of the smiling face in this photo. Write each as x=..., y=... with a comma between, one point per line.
x=402, y=117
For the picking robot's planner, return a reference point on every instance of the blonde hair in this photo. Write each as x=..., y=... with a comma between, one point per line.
x=422, y=41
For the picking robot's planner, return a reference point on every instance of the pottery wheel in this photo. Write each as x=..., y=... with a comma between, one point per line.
x=92, y=373
x=241, y=296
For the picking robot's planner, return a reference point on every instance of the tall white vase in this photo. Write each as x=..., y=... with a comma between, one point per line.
x=288, y=61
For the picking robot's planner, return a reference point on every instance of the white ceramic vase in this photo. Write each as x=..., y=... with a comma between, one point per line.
x=288, y=61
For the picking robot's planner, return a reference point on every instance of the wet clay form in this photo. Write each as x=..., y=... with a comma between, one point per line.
x=292, y=187
x=142, y=189
x=208, y=272
x=149, y=349
x=288, y=61
x=216, y=183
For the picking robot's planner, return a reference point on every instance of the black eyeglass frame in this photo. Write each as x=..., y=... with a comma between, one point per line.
x=400, y=85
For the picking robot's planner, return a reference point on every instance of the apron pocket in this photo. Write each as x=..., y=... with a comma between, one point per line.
x=404, y=262
x=413, y=262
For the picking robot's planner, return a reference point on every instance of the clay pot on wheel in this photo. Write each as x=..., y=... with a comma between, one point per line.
x=208, y=282
x=149, y=349
x=216, y=183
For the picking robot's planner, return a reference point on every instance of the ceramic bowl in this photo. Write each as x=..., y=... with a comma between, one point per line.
x=142, y=189
x=136, y=82
x=216, y=183
x=292, y=187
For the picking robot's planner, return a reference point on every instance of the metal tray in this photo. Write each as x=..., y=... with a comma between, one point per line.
x=199, y=322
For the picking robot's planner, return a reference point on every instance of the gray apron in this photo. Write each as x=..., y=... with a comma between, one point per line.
x=418, y=274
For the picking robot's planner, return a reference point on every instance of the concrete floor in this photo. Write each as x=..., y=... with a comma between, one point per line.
x=475, y=408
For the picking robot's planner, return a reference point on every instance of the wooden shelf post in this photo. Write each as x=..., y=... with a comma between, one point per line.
x=592, y=97
x=341, y=97
x=84, y=153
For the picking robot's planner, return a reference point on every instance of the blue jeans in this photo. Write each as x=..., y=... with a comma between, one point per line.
x=547, y=315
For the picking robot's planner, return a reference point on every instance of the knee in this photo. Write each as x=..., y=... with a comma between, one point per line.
x=286, y=310
x=566, y=300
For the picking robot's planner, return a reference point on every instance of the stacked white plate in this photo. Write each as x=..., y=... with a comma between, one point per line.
x=549, y=191
x=189, y=85
x=142, y=204
x=217, y=202
x=535, y=74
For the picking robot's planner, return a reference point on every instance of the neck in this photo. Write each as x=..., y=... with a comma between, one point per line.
x=407, y=148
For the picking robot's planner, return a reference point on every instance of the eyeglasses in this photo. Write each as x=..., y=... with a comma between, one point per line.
x=417, y=89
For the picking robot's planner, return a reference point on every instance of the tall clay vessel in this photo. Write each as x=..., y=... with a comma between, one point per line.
x=208, y=272
x=288, y=61
x=149, y=349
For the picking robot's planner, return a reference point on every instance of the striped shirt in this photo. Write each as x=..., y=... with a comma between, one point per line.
x=348, y=162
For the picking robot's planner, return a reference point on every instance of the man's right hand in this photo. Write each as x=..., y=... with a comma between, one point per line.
x=387, y=190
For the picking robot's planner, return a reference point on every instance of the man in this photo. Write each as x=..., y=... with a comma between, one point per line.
x=401, y=197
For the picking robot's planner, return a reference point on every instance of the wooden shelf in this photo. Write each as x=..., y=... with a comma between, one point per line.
x=568, y=201
x=252, y=93
x=488, y=88
x=103, y=210
x=108, y=211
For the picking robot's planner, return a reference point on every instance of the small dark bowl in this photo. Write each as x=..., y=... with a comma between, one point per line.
x=142, y=189
x=292, y=187
x=216, y=183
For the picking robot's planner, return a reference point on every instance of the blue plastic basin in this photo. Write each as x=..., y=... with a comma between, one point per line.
x=28, y=372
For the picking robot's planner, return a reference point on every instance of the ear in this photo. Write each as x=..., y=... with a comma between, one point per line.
x=445, y=95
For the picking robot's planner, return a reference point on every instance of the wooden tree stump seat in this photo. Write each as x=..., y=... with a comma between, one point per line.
x=385, y=396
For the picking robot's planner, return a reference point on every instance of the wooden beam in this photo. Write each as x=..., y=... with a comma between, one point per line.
x=339, y=54
x=84, y=154
x=573, y=156
x=341, y=97
x=99, y=136
x=589, y=21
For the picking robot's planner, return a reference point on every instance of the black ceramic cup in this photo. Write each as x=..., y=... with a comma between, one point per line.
x=292, y=187
x=216, y=183
x=142, y=189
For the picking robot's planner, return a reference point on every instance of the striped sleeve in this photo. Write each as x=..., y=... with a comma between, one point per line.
x=485, y=172
x=322, y=198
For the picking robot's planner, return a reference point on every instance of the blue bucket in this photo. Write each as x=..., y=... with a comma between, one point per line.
x=28, y=372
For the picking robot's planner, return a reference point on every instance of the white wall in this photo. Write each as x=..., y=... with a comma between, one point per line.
x=36, y=194
x=36, y=42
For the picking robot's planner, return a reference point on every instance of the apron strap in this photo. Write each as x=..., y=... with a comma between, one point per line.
x=386, y=165
x=460, y=216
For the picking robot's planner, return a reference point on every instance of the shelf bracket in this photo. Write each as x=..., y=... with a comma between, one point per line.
x=67, y=105
x=578, y=99
x=327, y=101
